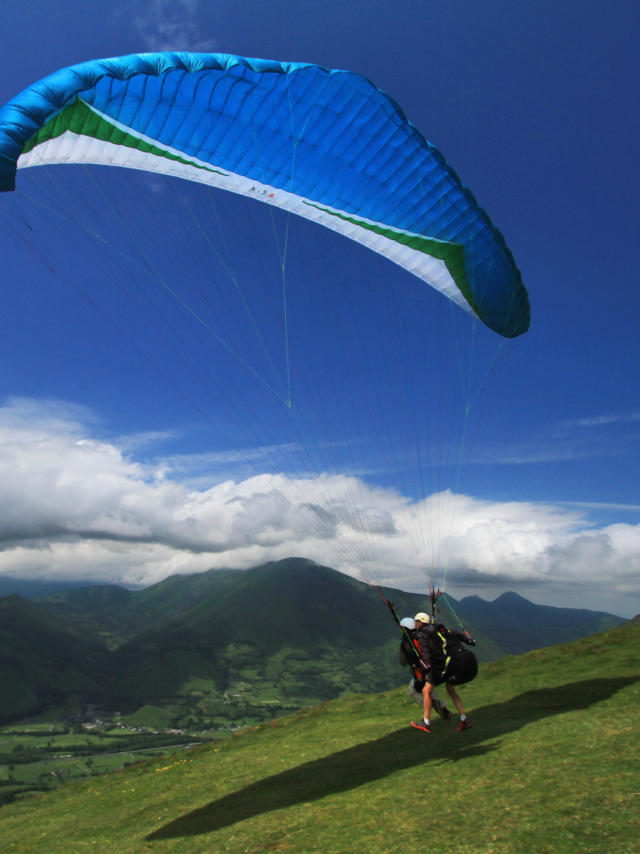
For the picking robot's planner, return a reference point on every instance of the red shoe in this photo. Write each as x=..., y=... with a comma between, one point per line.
x=421, y=725
x=464, y=725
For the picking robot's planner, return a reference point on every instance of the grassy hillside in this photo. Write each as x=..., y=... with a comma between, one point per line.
x=44, y=662
x=550, y=765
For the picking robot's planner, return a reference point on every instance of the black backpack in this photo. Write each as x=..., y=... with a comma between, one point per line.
x=461, y=664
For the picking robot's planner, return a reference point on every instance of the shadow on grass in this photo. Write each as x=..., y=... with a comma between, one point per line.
x=373, y=760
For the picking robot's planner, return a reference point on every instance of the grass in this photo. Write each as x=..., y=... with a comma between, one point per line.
x=550, y=765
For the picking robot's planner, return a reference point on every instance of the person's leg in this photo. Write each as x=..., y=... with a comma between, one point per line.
x=426, y=700
x=464, y=723
x=456, y=699
x=426, y=709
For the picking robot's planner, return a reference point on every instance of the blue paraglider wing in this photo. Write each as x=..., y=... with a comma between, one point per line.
x=324, y=144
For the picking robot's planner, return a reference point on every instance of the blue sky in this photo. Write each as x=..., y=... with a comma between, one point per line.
x=127, y=458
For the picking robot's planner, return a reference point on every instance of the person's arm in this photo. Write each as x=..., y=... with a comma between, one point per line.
x=425, y=650
x=465, y=637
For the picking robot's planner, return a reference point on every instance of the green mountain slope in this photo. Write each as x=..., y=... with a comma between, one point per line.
x=508, y=624
x=222, y=648
x=119, y=615
x=31, y=588
x=45, y=662
x=102, y=609
x=279, y=636
x=292, y=631
x=518, y=625
x=550, y=765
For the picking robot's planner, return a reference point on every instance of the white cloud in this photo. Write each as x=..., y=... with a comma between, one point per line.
x=604, y=420
x=566, y=441
x=171, y=25
x=75, y=506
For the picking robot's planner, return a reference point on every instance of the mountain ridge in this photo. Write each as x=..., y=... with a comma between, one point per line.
x=278, y=636
x=520, y=625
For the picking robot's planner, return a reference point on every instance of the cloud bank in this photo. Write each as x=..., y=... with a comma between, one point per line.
x=73, y=505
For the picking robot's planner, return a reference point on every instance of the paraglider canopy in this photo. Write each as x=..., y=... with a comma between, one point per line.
x=332, y=148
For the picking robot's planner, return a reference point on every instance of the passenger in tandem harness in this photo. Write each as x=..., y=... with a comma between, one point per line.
x=442, y=659
x=409, y=656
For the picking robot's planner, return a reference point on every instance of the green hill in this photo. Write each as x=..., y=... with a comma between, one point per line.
x=224, y=648
x=273, y=638
x=550, y=765
x=519, y=626
x=44, y=662
x=105, y=610
x=220, y=648
x=36, y=588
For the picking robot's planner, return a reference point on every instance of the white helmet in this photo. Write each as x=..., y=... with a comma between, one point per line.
x=422, y=618
x=408, y=623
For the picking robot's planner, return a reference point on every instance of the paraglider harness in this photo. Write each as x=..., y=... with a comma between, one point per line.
x=460, y=664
